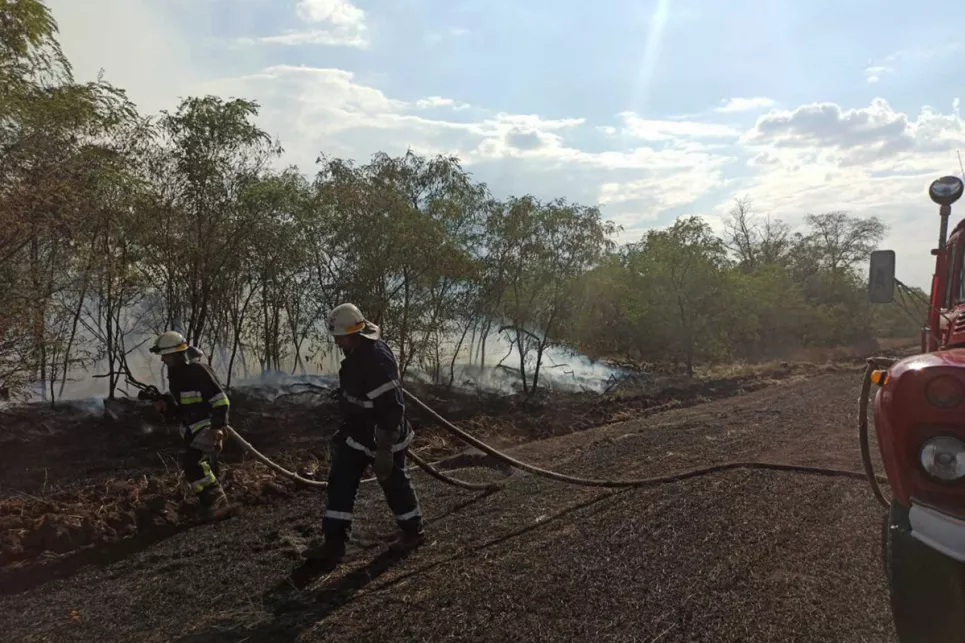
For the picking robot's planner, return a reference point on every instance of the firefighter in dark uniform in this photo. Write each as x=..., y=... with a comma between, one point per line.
x=201, y=405
x=373, y=430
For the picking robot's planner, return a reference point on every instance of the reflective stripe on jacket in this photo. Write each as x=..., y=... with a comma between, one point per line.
x=371, y=396
x=201, y=400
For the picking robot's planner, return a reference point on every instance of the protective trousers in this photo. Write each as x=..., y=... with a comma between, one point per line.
x=348, y=466
x=199, y=461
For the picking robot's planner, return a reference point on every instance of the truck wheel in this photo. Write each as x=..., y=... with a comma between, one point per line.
x=927, y=589
x=885, y=523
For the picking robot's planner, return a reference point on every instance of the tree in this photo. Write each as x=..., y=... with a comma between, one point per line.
x=57, y=140
x=838, y=241
x=756, y=243
x=539, y=256
x=210, y=152
x=403, y=246
x=682, y=271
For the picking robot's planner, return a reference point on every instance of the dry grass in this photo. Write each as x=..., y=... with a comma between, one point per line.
x=810, y=358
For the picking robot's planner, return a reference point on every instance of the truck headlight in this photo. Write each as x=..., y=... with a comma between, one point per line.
x=944, y=458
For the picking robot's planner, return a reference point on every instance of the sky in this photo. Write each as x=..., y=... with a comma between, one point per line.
x=652, y=109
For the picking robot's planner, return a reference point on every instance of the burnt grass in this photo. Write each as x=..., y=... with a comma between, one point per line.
x=100, y=542
x=73, y=478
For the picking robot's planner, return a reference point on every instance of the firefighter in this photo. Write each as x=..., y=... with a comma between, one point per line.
x=202, y=407
x=373, y=430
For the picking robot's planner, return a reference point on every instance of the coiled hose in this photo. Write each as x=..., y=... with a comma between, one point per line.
x=561, y=477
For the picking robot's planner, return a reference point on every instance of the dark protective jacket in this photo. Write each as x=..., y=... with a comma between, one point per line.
x=370, y=396
x=201, y=400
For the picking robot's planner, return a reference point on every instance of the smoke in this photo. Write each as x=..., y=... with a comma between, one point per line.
x=561, y=370
x=271, y=384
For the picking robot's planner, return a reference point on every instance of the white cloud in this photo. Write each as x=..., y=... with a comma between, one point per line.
x=438, y=101
x=342, y=24
x=663, y=130
x=668, y=188
x=336, y=12
x=744, y=104
x=314, y=110
x=873, y=73
x=321, y=103
x=868, y=161
x=332, y=37
x=859, y=136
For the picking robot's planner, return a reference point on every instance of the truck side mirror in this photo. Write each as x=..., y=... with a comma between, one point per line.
x=881, y=278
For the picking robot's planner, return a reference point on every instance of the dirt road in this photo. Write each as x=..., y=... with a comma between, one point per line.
x=737, y=556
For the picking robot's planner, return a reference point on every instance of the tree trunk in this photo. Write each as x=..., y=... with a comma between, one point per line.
x=455, y=353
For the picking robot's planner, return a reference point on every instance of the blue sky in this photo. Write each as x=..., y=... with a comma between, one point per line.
x=653, y=109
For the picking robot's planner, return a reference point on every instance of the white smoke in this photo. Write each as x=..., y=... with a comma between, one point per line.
x=560, y=370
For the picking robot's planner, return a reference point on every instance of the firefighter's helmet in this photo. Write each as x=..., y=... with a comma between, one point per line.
x=347, y=319
x=169, y=343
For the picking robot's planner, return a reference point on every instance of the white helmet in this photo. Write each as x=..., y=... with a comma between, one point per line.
x=347, y=319
x=169, y=342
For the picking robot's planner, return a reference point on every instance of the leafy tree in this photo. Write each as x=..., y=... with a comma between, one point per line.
x=682, y=271
x=210, y=152
x=539, y=256
x=114, y=225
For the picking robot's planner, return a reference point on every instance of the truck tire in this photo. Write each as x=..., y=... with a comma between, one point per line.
x=885, y=557
x=926, y=588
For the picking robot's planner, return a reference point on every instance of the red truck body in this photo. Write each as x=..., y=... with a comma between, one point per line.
x=919, y=414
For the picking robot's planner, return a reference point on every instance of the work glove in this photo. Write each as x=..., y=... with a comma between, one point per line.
x=384, y=458
x=209, y=440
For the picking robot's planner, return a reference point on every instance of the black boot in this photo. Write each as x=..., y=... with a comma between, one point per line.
x=329, y=552
x=410, y=538
x=215, y=503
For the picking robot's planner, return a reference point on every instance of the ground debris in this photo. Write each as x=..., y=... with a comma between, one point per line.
x=737, y=556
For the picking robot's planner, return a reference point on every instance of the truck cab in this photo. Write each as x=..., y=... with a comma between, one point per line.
x=952, y=298
x=919, y=417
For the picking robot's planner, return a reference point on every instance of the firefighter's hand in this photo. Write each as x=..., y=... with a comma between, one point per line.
x=383, y=463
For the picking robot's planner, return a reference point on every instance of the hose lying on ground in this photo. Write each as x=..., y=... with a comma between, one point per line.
x=561, y=477
x=640, y=482
x=321, y=484
x=869, y=470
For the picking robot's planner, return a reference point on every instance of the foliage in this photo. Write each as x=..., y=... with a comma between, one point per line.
x=114, y=226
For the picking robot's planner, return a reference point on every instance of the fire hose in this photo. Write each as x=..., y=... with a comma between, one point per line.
x=321, y=484
x=873, y=364
x=561, y=477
